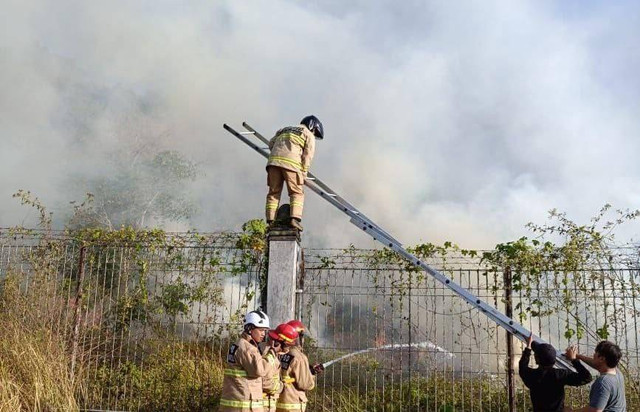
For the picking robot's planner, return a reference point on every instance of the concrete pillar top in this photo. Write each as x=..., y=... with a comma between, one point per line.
x=275, y=235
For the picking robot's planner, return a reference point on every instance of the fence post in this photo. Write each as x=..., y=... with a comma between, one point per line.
x=510, y=357
x=77, y=315
x=282, y=275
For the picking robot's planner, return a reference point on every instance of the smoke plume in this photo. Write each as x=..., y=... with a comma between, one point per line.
x=444, y=121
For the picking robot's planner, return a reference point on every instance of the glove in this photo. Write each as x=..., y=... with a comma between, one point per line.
x=316, y=369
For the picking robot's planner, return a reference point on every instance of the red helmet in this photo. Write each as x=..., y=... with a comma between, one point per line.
x=284, y=333
x=297, y=325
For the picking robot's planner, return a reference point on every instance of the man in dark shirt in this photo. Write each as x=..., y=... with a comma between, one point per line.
x=546, y=383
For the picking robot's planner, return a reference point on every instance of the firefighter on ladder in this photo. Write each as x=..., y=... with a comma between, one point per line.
x=281, y=339
x=296, y=375
x=292, y=149
x=246, y=367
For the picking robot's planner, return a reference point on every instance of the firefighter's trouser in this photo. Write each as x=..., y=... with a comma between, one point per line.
x=269, y=403
x=276, y=177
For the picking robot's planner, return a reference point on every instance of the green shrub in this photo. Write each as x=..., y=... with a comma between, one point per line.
x=171, y=377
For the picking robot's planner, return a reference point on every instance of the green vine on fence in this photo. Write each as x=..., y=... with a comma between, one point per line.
x=578, y=262
x=139, y=297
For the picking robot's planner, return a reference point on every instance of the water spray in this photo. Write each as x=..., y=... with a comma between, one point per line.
x=423, y=345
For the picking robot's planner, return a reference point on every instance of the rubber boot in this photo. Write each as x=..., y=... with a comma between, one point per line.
x=295, y=223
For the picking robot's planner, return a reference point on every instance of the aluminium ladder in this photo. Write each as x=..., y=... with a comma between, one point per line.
x=378, y=234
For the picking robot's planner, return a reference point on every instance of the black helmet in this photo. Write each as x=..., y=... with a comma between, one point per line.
x=314, y=124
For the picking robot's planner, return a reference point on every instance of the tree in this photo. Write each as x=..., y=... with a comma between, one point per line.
x=151, y=190
x=133, y=178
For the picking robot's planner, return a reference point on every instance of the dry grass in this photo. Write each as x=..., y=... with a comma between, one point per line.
x=34, y=372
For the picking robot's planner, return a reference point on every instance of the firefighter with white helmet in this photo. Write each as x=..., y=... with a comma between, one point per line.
x=246, y=367
x=297, y=376
x=280, y=339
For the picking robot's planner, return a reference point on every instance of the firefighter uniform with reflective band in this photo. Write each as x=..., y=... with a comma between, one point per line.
x=297, y=378
x=271, y=384
x=242, y=383
x=292, y=150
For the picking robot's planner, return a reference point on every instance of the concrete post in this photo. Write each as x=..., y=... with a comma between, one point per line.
x=284, y=257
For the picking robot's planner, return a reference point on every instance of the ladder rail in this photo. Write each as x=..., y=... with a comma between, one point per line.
x=324, y=187
x=381, y=236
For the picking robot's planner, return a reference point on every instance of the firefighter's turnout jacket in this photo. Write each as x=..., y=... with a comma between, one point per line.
x=242, y=382
x=292, y=150
x=297, y=379
x=271, y=384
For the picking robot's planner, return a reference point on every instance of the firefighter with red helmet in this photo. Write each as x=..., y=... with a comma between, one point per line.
x=280, y=340
x=299, y=327
x=296, y=375
x=246, y=367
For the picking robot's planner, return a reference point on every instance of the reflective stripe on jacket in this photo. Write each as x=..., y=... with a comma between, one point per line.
x=292, y=148
x=297, y=378
x=271, y=384
x=242, y=382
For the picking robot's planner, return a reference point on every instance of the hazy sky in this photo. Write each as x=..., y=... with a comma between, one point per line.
x=456, y=121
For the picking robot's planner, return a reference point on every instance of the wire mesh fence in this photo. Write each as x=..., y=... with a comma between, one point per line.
x=430, y=351
x=143, y=320
x=146, y=320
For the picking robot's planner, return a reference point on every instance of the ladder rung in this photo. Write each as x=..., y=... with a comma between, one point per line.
x=332, y=194
x=311, y=178
x=247, y=132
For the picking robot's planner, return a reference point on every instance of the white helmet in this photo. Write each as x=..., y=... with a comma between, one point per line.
x=257, y=319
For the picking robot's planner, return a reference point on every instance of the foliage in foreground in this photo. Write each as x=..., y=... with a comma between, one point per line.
x=157, y=373
x=34, y=369
x=172, y=377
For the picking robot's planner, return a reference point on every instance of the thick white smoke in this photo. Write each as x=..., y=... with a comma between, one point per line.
x=444, y=121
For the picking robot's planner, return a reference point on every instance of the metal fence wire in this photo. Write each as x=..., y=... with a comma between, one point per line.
x=143, y=321
x=146, y=324
x=430, y=351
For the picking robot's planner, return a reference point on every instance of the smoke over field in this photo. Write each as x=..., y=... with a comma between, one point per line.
x=443, y=121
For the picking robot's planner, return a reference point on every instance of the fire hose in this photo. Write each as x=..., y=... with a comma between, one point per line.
x=427, y=345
